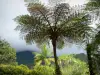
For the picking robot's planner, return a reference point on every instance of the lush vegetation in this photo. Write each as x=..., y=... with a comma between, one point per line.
x=66, y=62
x=56, y=25
x=7, y=53
x=93, y=52
x=69, y=66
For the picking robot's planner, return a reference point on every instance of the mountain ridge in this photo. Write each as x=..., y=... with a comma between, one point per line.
x=27, y=58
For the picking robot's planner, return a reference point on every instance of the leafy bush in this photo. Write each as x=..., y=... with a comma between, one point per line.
x=13, y=70
x=76, y=69
x=72, y=66
x=7, y=53
x=23, y=70
x=44, y=70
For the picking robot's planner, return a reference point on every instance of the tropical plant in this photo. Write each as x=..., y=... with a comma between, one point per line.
x=93, y=7
x=43, y=57
x=93, y=55
x=7, y=53
x=58, y=24
x=89, y=50
x=44, y=70
x=72, y=66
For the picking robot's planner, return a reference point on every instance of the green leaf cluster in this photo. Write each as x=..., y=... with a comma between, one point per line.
x=44, y=56
x=7, y=53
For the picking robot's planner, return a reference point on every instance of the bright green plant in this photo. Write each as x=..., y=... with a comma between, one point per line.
x=44, y=70
x=43, y=57
x=72, y=66
x=23, y=70
x=13, y=70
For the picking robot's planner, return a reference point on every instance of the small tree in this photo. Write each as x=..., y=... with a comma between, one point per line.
x=44, y=57
x=93, y=54
x=7, y=53
x=58, y=24
x=93, y=6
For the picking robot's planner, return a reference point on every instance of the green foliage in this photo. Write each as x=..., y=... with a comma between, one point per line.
x=93, y=5
x=17, y=70
x=43, y=58
x=93, y=54
x=81, y=56
x=69, y=66
x=23, y=70
x=75, y=70
x=7, y=53
x=12, y=70
x=65, y=24
x=44, y=70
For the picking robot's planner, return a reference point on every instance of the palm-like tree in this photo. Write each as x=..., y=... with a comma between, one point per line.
x=44, y=57
x=96, y=53
x=93, y=6
x=58, y=24
x=92, y=52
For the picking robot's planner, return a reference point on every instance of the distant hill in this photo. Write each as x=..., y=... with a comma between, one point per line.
x=81, y=56
x=25, y=57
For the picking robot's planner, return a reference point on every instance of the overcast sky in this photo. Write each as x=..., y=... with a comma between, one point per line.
x=9, y=9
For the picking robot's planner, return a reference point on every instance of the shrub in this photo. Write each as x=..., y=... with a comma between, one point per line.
x=7, y=53
x=13, y=70
x=24, y=70
x=44, y=70
x=72, y=66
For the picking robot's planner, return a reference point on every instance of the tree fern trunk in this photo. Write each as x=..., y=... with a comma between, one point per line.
x=57, y=68
x=90, y=59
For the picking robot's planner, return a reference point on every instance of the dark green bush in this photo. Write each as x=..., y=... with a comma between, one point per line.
x=24, y=70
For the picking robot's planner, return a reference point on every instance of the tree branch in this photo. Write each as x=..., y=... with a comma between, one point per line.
x=46, y=19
